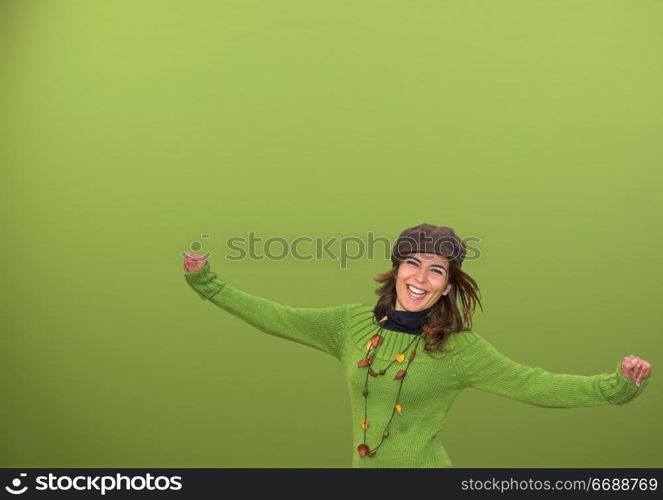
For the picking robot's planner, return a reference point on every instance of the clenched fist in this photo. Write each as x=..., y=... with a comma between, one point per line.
x=635, y=369
x=194, y=261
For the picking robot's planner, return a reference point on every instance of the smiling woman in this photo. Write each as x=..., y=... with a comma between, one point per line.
x=425, y=296
x=416, y=273
x=426, y=275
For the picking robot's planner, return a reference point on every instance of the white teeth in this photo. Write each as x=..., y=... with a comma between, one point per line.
x=416, y=291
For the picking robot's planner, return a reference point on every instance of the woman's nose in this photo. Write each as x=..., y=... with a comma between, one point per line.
x=421, y=275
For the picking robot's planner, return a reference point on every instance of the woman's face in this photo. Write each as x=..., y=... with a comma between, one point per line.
x=422, y=278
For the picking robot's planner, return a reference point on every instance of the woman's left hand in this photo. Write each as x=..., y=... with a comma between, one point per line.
x=635, y=369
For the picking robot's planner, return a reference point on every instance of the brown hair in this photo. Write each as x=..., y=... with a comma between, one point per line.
x=445, y=317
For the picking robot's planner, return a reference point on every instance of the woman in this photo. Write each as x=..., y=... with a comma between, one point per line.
x=409, y=356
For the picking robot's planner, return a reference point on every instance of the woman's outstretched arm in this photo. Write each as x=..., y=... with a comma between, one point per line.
x=320, y=328
x=486, y=369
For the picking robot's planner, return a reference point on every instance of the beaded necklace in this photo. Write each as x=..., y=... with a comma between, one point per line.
x=371, y=347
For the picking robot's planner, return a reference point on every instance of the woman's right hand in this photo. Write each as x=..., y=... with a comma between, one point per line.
x=194, y=261
x=635, y=368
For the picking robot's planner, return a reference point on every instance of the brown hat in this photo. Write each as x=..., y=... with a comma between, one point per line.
x=428, y=238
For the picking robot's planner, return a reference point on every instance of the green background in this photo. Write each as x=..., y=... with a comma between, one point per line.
x=131, y=128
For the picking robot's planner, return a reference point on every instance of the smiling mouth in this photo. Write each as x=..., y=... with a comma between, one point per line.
x=415, y=293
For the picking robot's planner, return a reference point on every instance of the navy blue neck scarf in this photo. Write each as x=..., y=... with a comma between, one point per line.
x=406, y=321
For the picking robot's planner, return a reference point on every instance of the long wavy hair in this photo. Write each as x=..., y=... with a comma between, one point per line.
x=445, y=316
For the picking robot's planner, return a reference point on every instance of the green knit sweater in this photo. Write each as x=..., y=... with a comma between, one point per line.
x=432, y=382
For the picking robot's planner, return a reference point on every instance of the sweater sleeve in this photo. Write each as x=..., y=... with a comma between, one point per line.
x=320, y=328
x=486, y=369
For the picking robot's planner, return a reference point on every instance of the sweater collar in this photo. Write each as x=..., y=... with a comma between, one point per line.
x=411, y=322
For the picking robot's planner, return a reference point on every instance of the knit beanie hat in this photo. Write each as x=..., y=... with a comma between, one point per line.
x=429, y=238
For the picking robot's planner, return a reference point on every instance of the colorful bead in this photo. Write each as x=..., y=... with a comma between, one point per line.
x=364, y=424
x=400, y=374
x=369, y=344
x=400, y=357
x=363, y=450
x=371, y=454
x=364, y=362
x=386, y=434
x=376, y=340
x=398, y=409
x=384, y=318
